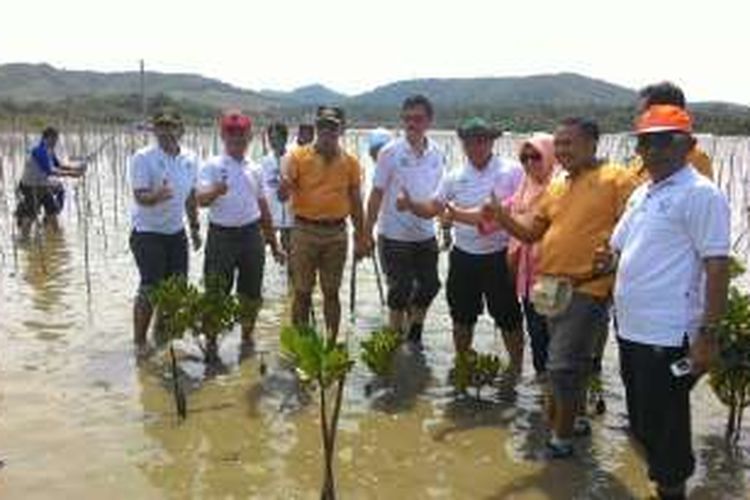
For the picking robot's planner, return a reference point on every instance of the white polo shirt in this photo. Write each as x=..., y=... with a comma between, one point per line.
x=399, y=167
x=668, y=228
x=281, y=212
x=239, y=206
x=149, y=168
x=470, y=187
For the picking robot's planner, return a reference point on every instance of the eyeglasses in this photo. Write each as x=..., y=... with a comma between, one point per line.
x=527, y=157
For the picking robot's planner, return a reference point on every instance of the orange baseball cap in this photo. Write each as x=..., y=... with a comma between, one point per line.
x=235, y=121
x=664, y=118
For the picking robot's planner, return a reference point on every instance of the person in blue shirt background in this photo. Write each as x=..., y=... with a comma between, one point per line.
x=39, y=186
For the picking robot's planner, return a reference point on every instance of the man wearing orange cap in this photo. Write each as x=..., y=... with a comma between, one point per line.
x=232, y=188
x=671, y=249
x=323, y=182
x=669, y=93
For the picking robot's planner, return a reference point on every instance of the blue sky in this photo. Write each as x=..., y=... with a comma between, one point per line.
x=356, y=45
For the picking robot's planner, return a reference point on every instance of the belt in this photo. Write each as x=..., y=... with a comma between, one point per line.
x=320, y=222
x=244, y=227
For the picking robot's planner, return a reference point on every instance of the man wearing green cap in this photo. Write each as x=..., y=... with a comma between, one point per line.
x=163, y=178
x=478, y=271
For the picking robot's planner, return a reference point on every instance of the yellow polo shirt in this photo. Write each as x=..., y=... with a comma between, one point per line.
x=582, y=212
x=320, y=188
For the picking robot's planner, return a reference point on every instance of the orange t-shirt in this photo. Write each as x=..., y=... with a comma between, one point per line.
x=320, y=189
x=581, y=213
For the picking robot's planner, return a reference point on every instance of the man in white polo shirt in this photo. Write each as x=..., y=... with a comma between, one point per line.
x=478, y=272
x=163, y=179
x=672, y=245
x=232, y=188
x=406, y=243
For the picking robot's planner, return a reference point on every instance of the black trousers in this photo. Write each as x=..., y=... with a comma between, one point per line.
x=659, y=409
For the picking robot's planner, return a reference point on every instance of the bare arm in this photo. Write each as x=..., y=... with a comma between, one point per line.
x=468, y=216
x=704, y=347
x=355, y=201
x=266, y=225
x=149, y=198
x=717, y=284
x=424, y=209
x=526, y=233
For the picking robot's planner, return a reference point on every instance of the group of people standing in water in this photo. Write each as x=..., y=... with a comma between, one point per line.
x=555, y=242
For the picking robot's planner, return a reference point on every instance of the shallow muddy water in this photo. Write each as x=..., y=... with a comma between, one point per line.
x=79, y=419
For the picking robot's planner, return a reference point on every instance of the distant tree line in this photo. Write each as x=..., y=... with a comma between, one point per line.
x=123, y=109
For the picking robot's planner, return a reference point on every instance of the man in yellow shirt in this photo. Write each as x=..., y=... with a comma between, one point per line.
x=575, y=216
x=670, y=94
x=323, y=182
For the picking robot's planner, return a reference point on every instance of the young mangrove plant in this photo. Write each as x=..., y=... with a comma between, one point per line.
x=378, y=353
x=730, y=375
x=182, y=307
x=324, y=363
x=473, y=369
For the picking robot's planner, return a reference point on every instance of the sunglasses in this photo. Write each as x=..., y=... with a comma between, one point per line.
x=655, y=141
x=527, y=157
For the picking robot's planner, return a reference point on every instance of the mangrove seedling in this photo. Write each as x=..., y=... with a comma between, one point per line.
x=214, y=311
x=730, y=375
x=473, y=369
x=174, y=301
x=324, y=363
x=378, y=351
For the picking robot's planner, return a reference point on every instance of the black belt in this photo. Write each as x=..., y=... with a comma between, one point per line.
x=219, y=227
x=320, y=222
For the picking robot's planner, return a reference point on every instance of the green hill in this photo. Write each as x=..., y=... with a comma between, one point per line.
x=42, y=93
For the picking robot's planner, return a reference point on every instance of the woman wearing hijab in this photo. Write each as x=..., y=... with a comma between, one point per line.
x=537, y=155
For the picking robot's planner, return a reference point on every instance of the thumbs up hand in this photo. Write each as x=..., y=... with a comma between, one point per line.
x=164, y=192
x=403, y=202
x=491, y=207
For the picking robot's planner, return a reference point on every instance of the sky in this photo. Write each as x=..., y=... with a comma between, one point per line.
x=353, y=46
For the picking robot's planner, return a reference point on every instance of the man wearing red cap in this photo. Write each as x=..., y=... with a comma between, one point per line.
x=671, y=248
x=232, y=188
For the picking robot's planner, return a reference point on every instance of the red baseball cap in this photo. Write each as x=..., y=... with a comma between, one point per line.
x=664, y=118
x=235, y=121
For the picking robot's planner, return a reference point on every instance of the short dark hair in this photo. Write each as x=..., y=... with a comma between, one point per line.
x=587, y=126
x=663, y=93
x=418, y=100
x=50, y=133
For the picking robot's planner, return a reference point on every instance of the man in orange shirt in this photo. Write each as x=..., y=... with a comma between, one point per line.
x=323, y=182
x=574, y=217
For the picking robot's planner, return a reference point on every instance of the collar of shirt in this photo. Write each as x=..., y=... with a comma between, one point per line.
x=679, y=176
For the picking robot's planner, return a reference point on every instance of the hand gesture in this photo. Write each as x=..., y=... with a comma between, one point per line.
x=703, y=351
x=221, y=187
x=403, y=201
x=164, y=192
x=491, y=207
x=604, y=260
